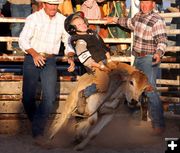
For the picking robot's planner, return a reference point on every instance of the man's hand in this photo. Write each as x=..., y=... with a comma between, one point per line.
x=1, y=15
x=71, y=68
x=156, y=59
x=110, y=20
x=39, y=59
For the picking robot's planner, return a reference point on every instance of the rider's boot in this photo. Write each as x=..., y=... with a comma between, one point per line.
x=81, y=104
x=83, y=94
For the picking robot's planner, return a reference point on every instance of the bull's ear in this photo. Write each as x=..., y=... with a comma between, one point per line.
x=148, y=88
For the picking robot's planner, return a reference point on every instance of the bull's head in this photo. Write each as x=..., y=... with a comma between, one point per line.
x=136, y=84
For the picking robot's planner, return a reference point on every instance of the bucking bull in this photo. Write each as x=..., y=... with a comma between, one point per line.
x=126, y=83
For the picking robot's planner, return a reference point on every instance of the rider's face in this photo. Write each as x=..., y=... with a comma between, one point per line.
x=80, y=24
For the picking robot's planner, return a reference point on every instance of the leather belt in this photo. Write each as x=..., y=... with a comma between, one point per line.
x=141, y=54
x=46, y=55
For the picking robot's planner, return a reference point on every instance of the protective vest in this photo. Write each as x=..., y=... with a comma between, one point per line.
x=95, y=45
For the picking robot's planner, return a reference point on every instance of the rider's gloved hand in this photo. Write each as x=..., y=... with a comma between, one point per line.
x=104, y=68
x=111, y=64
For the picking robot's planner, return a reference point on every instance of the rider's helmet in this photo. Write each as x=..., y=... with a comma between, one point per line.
x=72, y=29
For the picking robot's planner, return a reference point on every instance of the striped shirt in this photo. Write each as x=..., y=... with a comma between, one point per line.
x=149, y=33
x=44, y=34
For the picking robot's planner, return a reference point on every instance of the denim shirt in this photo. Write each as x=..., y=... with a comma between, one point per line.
x=2, y=2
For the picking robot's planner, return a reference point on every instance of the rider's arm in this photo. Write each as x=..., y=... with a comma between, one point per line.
x=84, y=55
x=108, y=55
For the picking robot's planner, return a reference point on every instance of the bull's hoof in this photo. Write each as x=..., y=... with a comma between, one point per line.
x=43, y=143
x=79, y=147
x=158, y=131
x=78, y=139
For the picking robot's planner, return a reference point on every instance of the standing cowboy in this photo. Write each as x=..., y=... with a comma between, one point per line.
x=40, y=39
x=150, y=41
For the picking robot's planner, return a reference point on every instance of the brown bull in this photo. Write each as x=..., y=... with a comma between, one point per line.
x=127, y=83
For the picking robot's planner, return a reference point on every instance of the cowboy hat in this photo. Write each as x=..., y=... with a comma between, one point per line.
x=52, y=1
x=147, y=0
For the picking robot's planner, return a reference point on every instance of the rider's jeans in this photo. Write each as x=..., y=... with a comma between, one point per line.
x=101, y=79
x=155, y=106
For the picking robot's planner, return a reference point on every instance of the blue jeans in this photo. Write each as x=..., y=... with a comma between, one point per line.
x=38, y=113
x=155, y=106
x=18, y=11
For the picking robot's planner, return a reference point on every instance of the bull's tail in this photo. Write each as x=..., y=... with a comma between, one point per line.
x=67, y=110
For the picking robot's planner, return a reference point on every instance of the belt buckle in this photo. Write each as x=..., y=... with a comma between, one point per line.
x=140, y=54
x=43, y=54
x=46, y=55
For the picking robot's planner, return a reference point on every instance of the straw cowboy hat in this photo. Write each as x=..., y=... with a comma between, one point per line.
x=51, y=1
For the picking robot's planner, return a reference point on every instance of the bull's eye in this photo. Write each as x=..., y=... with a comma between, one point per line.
x=131, y=83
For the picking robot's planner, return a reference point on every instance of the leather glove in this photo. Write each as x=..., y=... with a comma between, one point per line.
x=104, y=68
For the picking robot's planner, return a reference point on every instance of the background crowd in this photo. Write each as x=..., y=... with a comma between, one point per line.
x=93, y=9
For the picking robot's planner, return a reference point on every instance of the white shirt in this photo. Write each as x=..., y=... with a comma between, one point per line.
x=44, y=34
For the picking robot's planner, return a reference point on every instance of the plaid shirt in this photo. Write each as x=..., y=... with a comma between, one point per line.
x=149, y=33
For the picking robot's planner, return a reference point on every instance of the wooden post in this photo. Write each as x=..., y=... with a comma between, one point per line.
x=134, y=9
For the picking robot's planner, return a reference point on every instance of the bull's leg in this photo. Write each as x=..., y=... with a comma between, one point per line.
x=98, y=127
x=111, y=106
x=65, y=115
x=144, y=107
x=83, y=127
x=115, y=99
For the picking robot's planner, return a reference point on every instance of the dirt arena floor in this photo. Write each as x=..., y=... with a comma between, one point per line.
x=124, y=134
